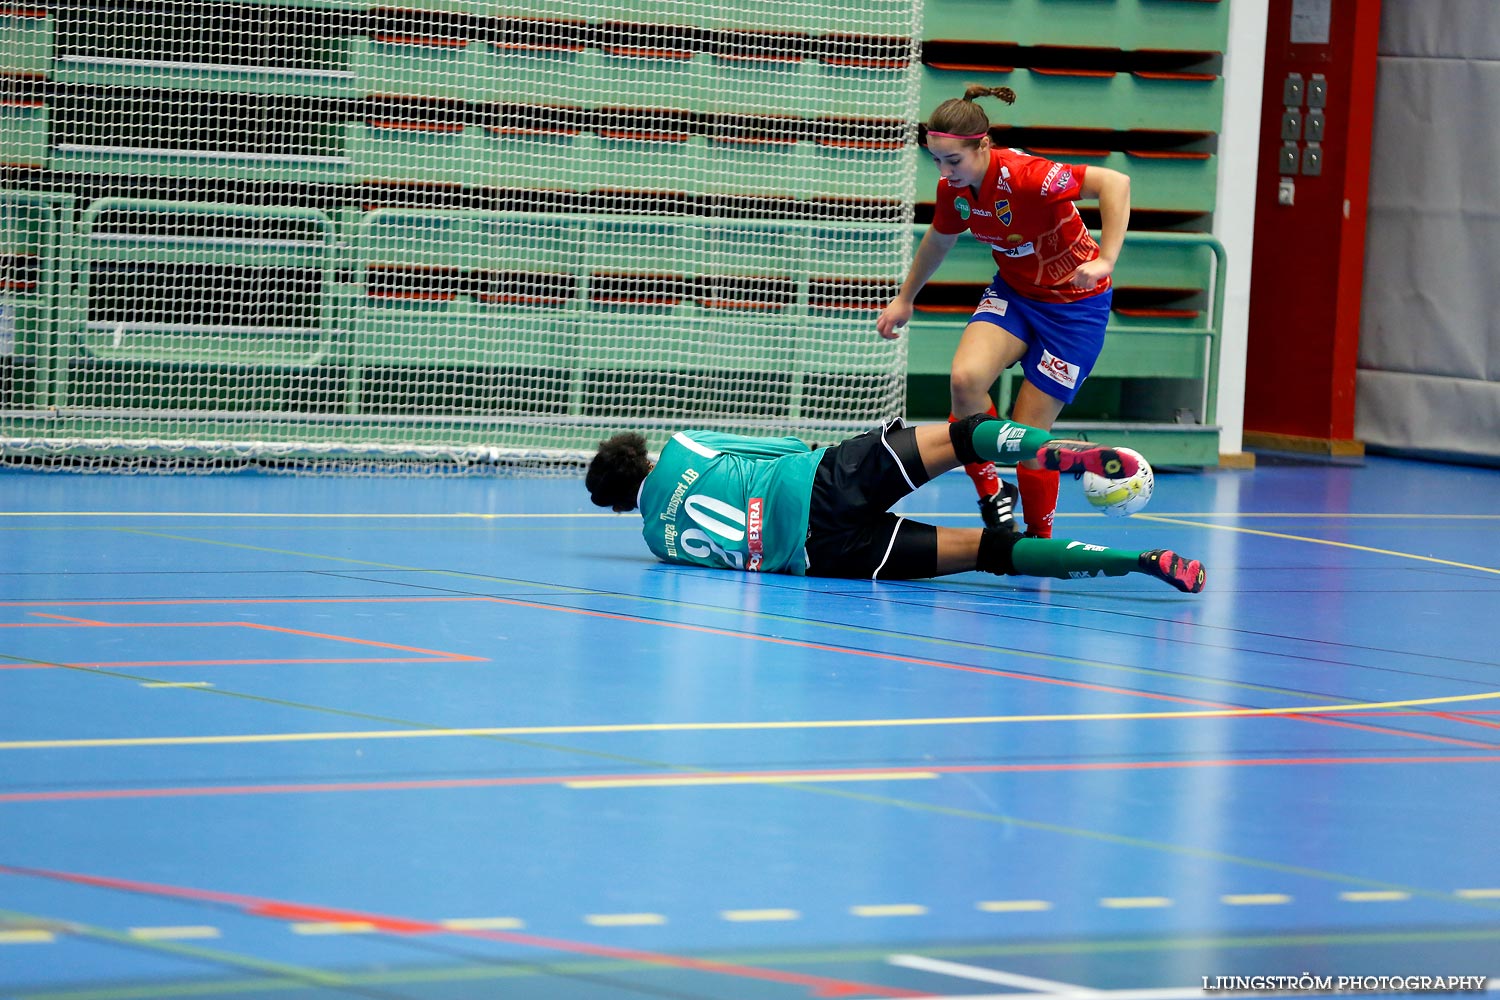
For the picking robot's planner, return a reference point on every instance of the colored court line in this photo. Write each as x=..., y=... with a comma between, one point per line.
x=663, y=727
x=736, y=612
x=656, y=780
x=758, y=916
x=1013, y=905
x=747, y=779
x=889, y=910
x=256, y=906
x=427, y=655
x=1046, y=987
x=920, y=661
x=294, y=975
x=1163, y=519
x=1069, y=948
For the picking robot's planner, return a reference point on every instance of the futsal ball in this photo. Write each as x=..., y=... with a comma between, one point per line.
x=1121, y=497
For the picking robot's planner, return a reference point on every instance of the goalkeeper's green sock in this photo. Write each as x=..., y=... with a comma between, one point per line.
x=1008, y=442
x=1066, y=559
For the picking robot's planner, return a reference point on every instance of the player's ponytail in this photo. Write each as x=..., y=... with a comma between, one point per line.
x=615, y=475
x=961, y=118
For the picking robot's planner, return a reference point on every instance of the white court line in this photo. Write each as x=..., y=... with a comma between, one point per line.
x=1045, y=987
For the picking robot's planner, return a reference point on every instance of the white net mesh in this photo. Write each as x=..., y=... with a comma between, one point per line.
x=323, y=235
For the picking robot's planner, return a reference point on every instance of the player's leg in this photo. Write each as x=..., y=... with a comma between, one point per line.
x=986, y=349
x=1064, y=341
x=1038, y=486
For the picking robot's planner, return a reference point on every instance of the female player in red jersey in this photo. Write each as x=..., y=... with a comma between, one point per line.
x=1049, y=302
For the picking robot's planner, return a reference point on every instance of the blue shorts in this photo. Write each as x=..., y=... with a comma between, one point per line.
x=1063, y=339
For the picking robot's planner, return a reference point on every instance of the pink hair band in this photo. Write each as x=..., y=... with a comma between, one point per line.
x=950, y=135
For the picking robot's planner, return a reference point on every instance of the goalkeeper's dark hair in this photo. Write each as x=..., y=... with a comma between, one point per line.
x=615, y=475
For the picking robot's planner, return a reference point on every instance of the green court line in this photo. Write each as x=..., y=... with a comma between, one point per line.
x=297, y=975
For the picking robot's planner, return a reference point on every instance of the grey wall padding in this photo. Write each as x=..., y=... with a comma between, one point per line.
x=1429, y=353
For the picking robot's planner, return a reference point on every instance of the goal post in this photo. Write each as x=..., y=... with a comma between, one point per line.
x=461, y=235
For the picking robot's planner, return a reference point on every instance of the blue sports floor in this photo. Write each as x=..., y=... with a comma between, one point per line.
x=265, y=737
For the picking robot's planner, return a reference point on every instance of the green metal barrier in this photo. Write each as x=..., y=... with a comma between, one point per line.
x=35, y=226
x=1132, y=348
x=149, y=249
x=1173, y=182
x=1182, y=25
x=577, y=300
x=1066, y=99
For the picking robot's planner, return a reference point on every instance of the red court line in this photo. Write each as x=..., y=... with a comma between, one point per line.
x=255, y=906
x=110, y=664
x=707, y=630
x=190, y=601
x=1458, y=717
x=1033, y=678
x=427, y=655
x=438, y=784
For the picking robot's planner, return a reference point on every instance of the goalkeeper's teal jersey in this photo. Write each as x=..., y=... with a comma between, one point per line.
x=730, y=502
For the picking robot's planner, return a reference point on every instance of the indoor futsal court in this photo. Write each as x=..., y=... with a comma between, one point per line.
x=416, y=739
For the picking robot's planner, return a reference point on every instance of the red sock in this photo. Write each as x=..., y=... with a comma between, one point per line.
x=986, y=477
x=1038, y=499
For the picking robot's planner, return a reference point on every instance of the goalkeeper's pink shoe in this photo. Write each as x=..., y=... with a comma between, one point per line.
x=1079, y=457
x=1186, y=575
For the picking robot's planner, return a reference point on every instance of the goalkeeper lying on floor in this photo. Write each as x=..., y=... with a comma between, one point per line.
x=774, y=505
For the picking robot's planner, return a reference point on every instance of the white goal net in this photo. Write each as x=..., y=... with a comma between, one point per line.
x=312, y=233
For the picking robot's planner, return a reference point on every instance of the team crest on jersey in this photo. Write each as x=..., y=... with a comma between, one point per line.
x=961, y=206
x=1003, y=212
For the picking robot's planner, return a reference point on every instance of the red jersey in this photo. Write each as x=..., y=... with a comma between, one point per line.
x=1026, y=216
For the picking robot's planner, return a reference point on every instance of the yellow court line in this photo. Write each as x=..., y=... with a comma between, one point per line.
x=1478, y=893
x=1013, y=905
x=184, y=933
x=1317, y=541
x=748, y=779
x=745, y=916
x=625, y=919
x=1255, y=899
x=334, y=927
x=696, y=727
x=27, y=937
x=890, y=910
x=484, y=923
x=1375, y=897
x=1134, y=902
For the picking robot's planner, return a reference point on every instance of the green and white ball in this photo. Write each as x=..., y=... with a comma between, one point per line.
x=1121, y=497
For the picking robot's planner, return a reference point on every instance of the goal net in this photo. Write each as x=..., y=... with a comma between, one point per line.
x=319, y=234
